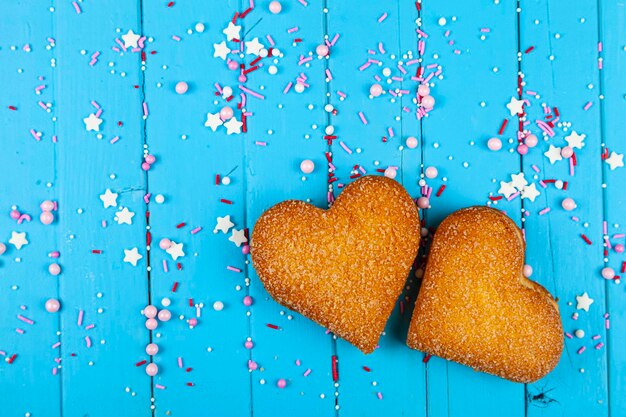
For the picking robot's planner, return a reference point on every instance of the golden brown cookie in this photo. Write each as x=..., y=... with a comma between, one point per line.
x=344, y=267
x=475, y=307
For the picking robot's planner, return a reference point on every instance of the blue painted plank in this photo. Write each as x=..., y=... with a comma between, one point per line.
x=478, y=76
x=562, y=70
x=613, y=37
x=27, y=382
x=109, y=292
x=391, y=380
x=283, y=130
x=189, y=156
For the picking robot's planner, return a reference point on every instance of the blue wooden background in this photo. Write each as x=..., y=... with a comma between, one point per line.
x=61, y=61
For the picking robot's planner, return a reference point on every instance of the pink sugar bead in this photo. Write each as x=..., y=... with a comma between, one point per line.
x=151, y=324
x=608, y=273
x=247, y=301
x=531, y=141
x=152, y=349
x=226, y=113
x=193, y=322
x=145, y=166
x=423, y=202
x=242, y=78
x=376, y=90
x=164, y=315
x=431, y=172
x=391, y=173
x=245, y=249
x=165, y=243
x=428, y=102
x=252, y=365
x=275, y=7
x=152, y=369
x=233, y=65
x=411, y=142
x=3, y=248
x=46, y=205
x=52, y=305
x=15, y=214
x=181, y=87
x=494, y=144
x=522, y=149
x=46, y=217
x=321, y=50
x=281, y=383
x=423, y=90
x=150, y=311
x=54, y=269
x=149, y=159
x=527, y=271
x=568, y=204
x=307, y=166
x=248, y=344
x=619, y=248
x=567, y=152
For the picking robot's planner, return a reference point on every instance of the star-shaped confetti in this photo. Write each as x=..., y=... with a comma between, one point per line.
x=238, y=237
x=507, y=189
x=131, y=256
x=221, y=50
x=109, y=199
x=233, y=126
x=223, y=224
x=530, y=192
x=574, y=140
x=213, y=121
x=583, y=302
x=176, y=250
x=553, y=154
x=515, y=106
x=124, y=216
x=254, y=47
x=518, y=180
x=18, y=239
x=616, y=160
x=92, y=123
x=232, y=31
x=130, y=39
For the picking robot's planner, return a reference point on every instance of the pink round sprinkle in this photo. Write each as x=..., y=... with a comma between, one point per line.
x=46, y=205
x=619, y=248
x=248, y=344
x=568, y=204
x=275, y=7
x=152, y=349
x=307, y=166
x=391, y=172
x=321, y=50
x=54, y=269
x=608, y=273
x=151, y=324
x=252, y=365
x=150, y=311
x=3, y=248
x=527, y=271
x=247, y=301
x=242, y=78
x=522, y=149
x=145, y=166
x=376, y=90
x=149, y=159
x=152, y=369
x=494, y=144
x=233, y=65
x=423, y=202
x=165, y=243
x=431, y=172
x=164, y=315
x=281, y=383
x=567, y=152
x=15, y=214
x=411, y=142
x=428, y=102
x=226, y=113
x=46, y=217
x=423, y=90
x=52, y=305
x=245, y=249
x=531, y=141
x=193, y=322
x=181, y=87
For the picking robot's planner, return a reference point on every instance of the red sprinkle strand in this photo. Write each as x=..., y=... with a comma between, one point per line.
x=586, y=239
x=335, y=368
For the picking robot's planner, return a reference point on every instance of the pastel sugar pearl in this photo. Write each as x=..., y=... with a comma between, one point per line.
x=527, y=271
x=321, y=50
x=428, y=102
x=145, y=166
x=181, y=87
x=3, y=248
x=567, y=152
x=281, y=383
x=307, y=166
x=494, y=144
x=522, y=149
x=164, y=315
x=152, y=369
x=52, y=305
x=276, y=7
x=227, y=91
x=54, y=269
x=150, y=311
x=233, y=65
x=423, y=90
x=226, y=113
x=411, y=142
x=619, y=248
x=152, y=349
x=225, y=180
x=608, y=273
x=431, y=172
x=15, y=214
x=46, y=205
x=245, y=249
x=242, y=78
x=423, y=202
x=531, y=141
x=218, y=306
x=247, y=301
x=193, y=322
x=252, y=365
x=376, y=90
x=391, y=172
x=248, y=344
x=150, y=159
x=46, y=217
x=151, y=324
x=568, y=204
x=165, y=243
x=579, y=333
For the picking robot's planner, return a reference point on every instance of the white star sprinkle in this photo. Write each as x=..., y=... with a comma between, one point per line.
x=130, y=39
x=124, y=216
x=583, y=302
x=223, y=224
x=131, y=256
x=553, y=154
x=575, y=140
x=518, y=180
x=109, y=199
x=232, y=31
x=238, y=237
x=18, y=239
x=507, y=189
x=213, y=121
x=233, y=126
x=221, y=50
x=176, y=250
x=515, y=106
x=530, y=192
x=254, y=47
x=92, y=122
x=616, y=160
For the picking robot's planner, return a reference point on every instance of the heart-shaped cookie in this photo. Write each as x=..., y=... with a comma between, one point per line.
x=476, y=307
x=343, y=267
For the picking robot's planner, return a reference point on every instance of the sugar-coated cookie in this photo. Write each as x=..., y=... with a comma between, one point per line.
x=475, y=306
x=343, y=267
